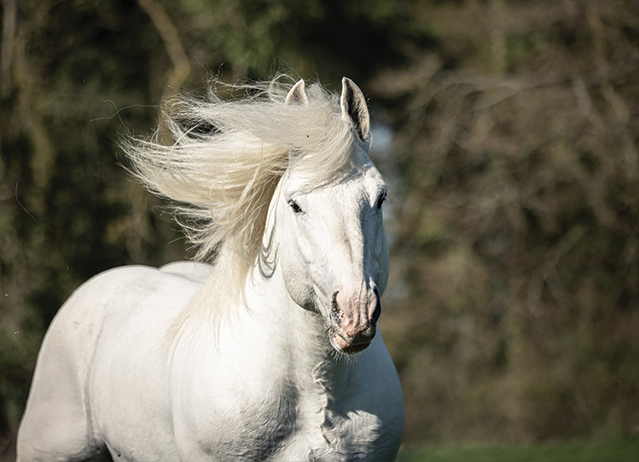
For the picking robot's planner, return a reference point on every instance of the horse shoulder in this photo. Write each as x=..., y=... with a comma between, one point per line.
x=137, y=305
x=78, y=326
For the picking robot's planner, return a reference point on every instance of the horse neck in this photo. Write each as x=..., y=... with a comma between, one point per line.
x=301, y=335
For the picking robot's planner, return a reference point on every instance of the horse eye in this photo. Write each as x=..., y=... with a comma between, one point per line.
x=296, y=208
x=381, y=200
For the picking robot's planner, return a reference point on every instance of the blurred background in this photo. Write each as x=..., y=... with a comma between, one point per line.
x=507, y=129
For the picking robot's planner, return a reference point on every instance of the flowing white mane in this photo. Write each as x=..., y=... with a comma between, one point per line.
x=229, y=155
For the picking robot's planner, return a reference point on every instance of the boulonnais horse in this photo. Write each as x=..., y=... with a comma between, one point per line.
x=270, y=352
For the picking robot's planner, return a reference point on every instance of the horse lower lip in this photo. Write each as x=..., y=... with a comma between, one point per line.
x=343, y=346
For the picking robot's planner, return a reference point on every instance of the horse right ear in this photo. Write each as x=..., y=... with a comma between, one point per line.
x=297, y=95
x=354, y=109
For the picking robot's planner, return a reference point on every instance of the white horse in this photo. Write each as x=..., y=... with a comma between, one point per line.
x=271, y=352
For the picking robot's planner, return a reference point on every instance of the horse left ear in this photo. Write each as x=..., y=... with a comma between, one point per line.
x=297, y=95
x=354, y=108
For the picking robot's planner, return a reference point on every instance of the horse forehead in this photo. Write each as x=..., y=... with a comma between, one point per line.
x=360, y=189
x=363, y=179
x=347, y=207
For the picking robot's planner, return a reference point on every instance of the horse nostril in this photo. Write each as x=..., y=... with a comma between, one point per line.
x=362, y=335
x=336, y=313
x=354, y=323
x=377, y=313
x=378, y=307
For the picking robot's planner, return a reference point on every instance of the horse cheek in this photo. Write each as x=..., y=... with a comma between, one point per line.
x=295, y=270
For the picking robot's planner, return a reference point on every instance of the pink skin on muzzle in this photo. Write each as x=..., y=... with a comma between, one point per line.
x=353, y=320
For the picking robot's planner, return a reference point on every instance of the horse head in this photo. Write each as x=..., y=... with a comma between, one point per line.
x=333, y=250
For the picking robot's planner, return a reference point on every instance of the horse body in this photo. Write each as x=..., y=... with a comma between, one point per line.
x=194, y=362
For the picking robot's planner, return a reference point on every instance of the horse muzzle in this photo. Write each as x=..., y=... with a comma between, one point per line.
x=353, y=320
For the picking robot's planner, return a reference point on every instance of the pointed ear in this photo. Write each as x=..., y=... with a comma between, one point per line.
x=354, y=108
x=297, y=95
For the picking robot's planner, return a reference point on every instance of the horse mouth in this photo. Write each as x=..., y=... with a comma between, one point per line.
x=341, y=345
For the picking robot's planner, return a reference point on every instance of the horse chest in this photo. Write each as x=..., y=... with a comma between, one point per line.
x=280, y=421
x=287, y=433
x=281, y=403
